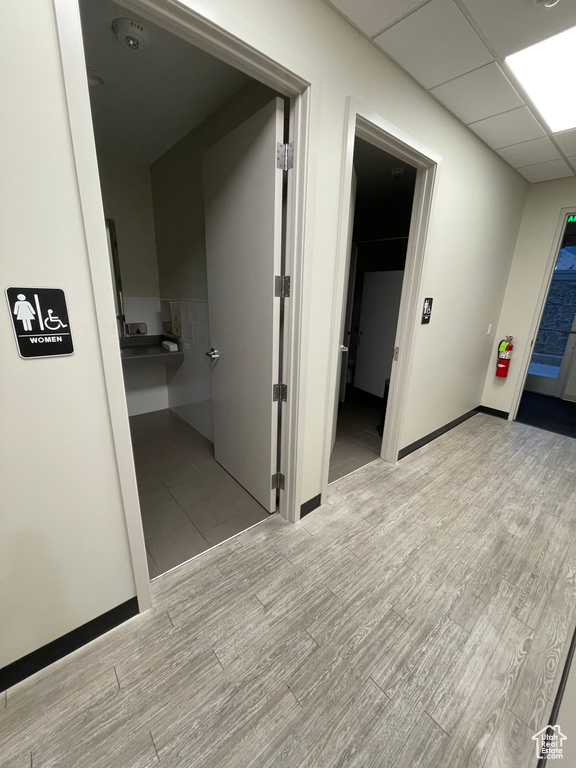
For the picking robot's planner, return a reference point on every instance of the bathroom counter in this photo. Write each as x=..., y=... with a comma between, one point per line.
x=137, y=348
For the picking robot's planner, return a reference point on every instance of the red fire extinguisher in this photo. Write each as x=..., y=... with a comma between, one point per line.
x=504, y=354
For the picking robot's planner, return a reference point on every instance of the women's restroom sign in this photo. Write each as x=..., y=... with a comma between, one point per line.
x=40, y=321
x=426, y=311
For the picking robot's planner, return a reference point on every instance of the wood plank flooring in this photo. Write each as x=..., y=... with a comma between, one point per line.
x=420, y=618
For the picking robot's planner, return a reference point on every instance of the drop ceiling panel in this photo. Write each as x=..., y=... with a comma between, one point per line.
x=479, y=94
x=530, y=152
x=456, y=48
x=371, y=16
x=555, y=169
x=567, y=141
x=509, y=128
x=516, y=24
x=435, y=44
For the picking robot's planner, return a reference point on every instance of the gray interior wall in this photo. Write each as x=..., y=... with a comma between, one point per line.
x=179, y=223
x=127, y=198
x=178, y=200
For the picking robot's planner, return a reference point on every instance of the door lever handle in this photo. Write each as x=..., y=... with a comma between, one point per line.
x=343, y=348
x=213, y=354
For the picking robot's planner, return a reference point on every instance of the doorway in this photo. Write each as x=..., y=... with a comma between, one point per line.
x=382, y=195
x=168, y=122
x=549, y=396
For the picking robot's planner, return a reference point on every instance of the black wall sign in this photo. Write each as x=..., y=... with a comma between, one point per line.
x=427, y=311
x=40, y=321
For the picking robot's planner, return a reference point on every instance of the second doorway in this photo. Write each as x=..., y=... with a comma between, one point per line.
x=382, y=197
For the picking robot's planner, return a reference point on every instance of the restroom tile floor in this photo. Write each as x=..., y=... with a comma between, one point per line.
x=188, y=502
x=357, y=441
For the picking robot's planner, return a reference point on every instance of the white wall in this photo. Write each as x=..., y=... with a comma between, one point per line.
x=190, y=383
x=475, y=216
x=127, y=198
x=527, y=274
x=145, y=385
x=144, y=309
x=145, y=382
x=64, y=555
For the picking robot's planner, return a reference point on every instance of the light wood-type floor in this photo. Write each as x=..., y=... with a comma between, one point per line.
x=420, y=618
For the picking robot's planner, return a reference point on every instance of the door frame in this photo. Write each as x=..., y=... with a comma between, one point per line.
x=566, y=366
x=198, y=30
x=539, y=308
x=364, y=123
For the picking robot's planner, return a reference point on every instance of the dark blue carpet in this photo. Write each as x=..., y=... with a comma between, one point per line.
x=549, y=413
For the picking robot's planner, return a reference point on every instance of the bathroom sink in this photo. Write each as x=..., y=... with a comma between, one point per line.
x=147, y=348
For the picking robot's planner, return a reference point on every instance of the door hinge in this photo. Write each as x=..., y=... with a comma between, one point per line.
x=285, y=156
x=279, y=392
x=278, y=481
x=396, y=352
x=282, y=286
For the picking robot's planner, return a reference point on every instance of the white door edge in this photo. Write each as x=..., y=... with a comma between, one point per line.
x=343, y=357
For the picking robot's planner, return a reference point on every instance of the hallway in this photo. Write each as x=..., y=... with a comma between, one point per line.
x=421, y=617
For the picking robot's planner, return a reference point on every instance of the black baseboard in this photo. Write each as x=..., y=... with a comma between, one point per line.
x=310, y=506
x=22, y=668
x=433, y=435
x=493, y=412
x=447, y=427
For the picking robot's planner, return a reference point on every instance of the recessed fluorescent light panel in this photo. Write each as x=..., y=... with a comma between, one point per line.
x=546, y=71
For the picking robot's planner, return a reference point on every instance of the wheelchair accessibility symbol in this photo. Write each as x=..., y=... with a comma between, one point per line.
x=53, y=323
x=40, y=321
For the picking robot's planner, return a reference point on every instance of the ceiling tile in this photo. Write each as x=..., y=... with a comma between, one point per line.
x=555, y=169
x=567, y=141
x=516, y=24
x=415, y=43
x=479, y=94
x=530, y=152
x=508, y=128
x=371, y=16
